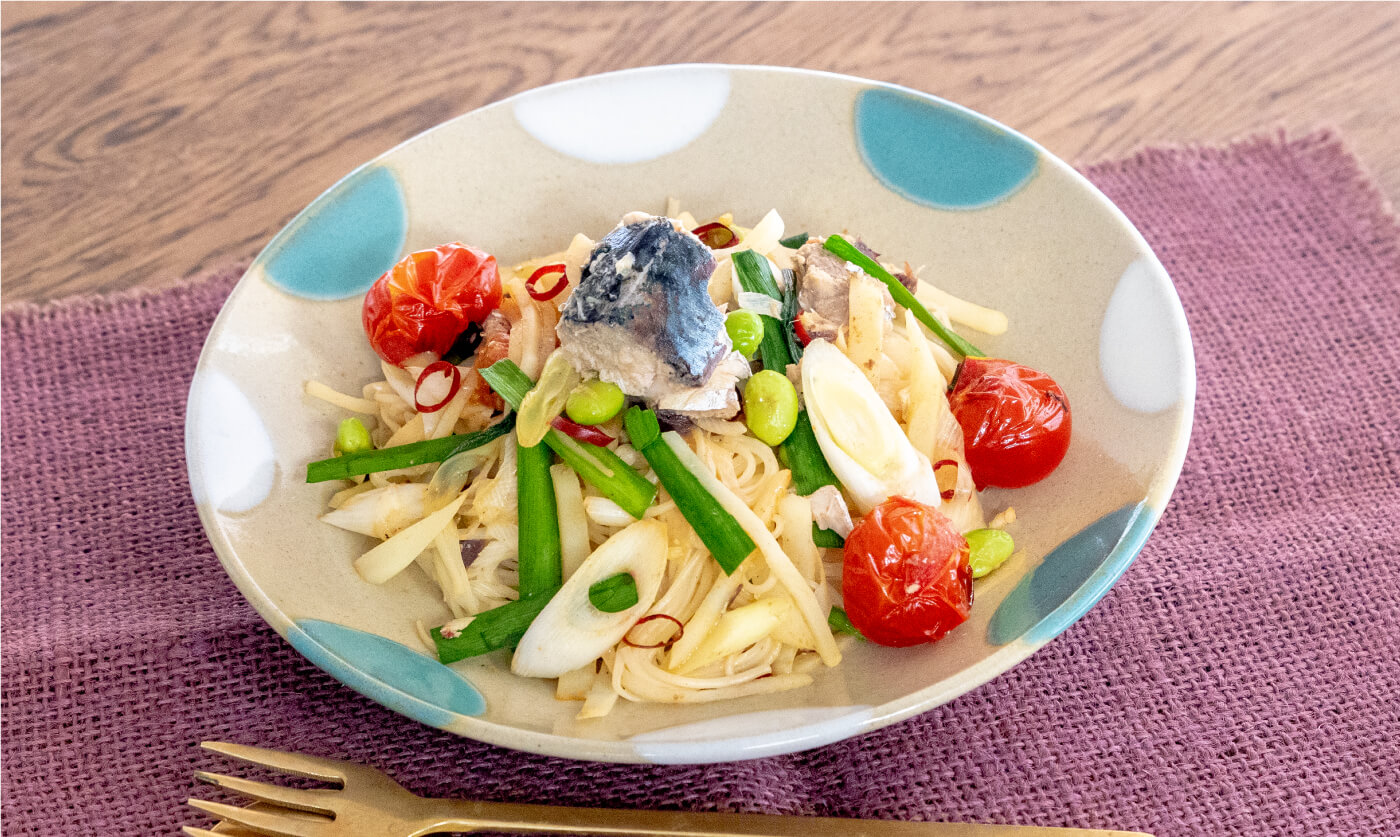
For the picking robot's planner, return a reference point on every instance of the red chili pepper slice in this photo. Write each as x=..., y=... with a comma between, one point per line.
x=532, y=285
x=947, y=493
x=801, y=331
x=581, y=432
x=675, y=637
x=716, y=236
x=434, y=368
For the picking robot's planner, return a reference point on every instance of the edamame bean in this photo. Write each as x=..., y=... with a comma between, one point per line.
x=594, y=402
x=352, y=437
x=745, y=329
x=988, y=549
x=770, y=406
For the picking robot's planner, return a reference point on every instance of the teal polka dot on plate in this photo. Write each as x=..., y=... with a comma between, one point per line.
x=389, y=672
x=343, y=241
x=940, y=155
x=1074, y=576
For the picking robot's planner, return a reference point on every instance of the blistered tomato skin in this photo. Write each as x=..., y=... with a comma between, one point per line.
x=427, y=300
x=906, y=578
x=1015, y=421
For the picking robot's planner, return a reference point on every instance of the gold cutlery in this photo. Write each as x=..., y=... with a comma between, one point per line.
x=370, y=804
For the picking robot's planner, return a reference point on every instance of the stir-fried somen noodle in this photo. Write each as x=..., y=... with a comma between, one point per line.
x=696, y=632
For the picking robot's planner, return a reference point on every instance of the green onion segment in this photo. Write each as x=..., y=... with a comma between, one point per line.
x=756, y=278
x=540, y=562
x=614, y=594
x=717, y=528
x=602, y=468
x=800, y=451
x=790, y=312
x=846, y=250
x=404, y=456
x=502, y=627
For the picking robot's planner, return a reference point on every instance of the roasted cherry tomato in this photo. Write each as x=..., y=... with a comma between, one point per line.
x=906, y=577
x=1015, y=421
x=427, y=300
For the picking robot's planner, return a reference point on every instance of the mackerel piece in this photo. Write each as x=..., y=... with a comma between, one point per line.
x=641, y=315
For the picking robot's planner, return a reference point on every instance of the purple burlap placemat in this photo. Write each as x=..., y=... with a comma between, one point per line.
x=1242, y=678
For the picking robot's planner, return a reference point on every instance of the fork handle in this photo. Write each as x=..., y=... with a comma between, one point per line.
x=467, y=815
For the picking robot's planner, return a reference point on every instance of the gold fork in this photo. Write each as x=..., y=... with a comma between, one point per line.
x=370, y=804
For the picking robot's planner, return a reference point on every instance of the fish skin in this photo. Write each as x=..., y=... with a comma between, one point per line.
x=651, y=280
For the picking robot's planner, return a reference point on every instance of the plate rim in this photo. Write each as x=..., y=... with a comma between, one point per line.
x=804, y=736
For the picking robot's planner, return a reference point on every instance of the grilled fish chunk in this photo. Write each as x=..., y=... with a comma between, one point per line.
x=823, y=291
x=641, y=316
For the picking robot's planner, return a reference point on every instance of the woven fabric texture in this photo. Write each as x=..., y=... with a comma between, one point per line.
x=1241, y=678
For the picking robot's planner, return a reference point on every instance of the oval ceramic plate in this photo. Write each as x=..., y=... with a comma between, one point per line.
x=989, y=214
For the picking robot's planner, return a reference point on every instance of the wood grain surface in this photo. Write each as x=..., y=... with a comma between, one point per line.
x=146, y=142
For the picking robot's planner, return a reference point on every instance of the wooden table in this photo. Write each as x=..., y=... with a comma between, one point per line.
x=146, y=142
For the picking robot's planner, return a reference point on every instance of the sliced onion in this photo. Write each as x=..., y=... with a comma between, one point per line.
x=605, y=512
x=795, y=512
x=764, y=236
x=389, y=558
x=760, y=304
x=453, y=475
x=400, y=381
x=380, y=512
x=736, y=630
x=573, y=520
x=934, y=431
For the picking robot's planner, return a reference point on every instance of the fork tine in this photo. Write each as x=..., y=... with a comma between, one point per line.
x=231, y=831
x=311, y=767
x=263, y=822
x=228, y=830
x=304, y=800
